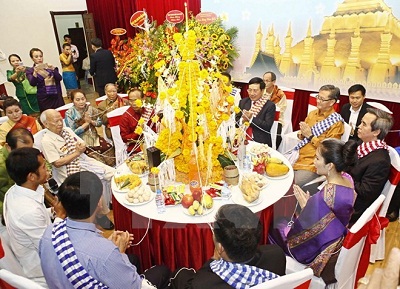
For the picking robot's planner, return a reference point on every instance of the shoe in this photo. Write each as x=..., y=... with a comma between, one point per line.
x=105, y=223
x=393, y=216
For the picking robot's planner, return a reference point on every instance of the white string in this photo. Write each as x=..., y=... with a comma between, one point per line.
x=145, y=234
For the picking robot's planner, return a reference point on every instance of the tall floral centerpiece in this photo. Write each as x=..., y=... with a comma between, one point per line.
x=182, y=64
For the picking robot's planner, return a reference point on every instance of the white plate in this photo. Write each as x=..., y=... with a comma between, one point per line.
x=115, y=188
x=152, y=195
x=205, y=212
x=277, y=178
x=238, y=199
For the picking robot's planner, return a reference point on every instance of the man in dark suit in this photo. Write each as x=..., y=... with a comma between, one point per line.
x=354, y=111
x=102, y=66
x=258, y=111
x=237, y=256
x=372, y=167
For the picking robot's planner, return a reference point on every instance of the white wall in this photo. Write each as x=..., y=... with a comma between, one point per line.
x=64, y=22
x=25, y=24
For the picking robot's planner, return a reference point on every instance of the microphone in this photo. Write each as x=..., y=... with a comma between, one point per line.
x=53, y=186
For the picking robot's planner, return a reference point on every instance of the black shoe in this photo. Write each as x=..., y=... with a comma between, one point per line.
x=105, y=223
x=393, y=216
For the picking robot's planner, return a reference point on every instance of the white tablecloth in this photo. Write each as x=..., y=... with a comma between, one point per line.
x=275, y=190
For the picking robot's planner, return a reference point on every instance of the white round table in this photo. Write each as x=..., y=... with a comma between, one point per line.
x=275, y=189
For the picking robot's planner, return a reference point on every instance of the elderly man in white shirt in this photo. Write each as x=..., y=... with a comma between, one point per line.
x=25, y=214
x=65, y=151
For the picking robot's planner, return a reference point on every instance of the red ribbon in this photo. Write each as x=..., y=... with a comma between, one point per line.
x=277, y=114
x=305, y=285
x=289, y=94
x=372, y=231
x=1, y=250
x=394, y=176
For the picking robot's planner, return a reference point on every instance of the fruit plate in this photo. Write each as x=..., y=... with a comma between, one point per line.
x=114, y=185
x=205, y=212
x=126, y=202
x=237, y=198
x=277, y=178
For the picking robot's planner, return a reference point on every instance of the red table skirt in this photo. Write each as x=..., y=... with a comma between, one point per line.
x=173, y=244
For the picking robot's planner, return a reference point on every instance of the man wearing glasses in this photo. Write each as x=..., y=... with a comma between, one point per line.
x=258, y=112
x=320, y=124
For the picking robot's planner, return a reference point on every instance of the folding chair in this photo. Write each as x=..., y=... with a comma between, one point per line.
x=297, y=280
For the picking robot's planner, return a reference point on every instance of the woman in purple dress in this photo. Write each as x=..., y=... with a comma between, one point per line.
x=47, y=79
x=317, y=233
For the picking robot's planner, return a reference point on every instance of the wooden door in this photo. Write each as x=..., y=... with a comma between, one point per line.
x=78, y=39
x=90, y=30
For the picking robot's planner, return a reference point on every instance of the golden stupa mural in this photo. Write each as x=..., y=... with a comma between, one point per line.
x=358, y=43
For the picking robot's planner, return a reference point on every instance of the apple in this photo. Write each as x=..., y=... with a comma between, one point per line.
x=187, y=201
x=197, y=194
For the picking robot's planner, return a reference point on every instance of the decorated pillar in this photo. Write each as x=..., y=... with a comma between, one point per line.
x=257, y=48
x=381, y=69
x=277, y=51
x=286, y=64
x=353, y=62
x=329, y=69
x=270, y=41
x=307, y=63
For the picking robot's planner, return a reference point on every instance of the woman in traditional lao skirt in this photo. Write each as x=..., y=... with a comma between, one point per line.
x=27, y=99
x=47, y=79
x=315, y=237
x=83, y=119
x=16, y=119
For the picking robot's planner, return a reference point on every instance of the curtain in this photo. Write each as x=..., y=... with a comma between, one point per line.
x=300, y=107
x=109, y=14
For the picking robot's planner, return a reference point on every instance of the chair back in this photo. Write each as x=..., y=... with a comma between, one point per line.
x=378, y=249
x=63, y=109
x=394, y=178
x=104, y=97
x=274, y=128
x=289, y=92
x=9, y=261
x=114, y=120
x=353, y=258
x=347, y=130
x=3, y=119
x=298, y=280
x=11, y=280
x=37, y=139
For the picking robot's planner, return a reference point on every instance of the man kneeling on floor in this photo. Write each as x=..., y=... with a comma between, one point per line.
x=74, y=254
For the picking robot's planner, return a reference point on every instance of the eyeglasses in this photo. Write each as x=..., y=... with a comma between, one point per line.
x=253, y=90
x=321, y=99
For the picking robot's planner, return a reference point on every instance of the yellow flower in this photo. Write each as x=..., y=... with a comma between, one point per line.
x=141, y=121
x=138, y=130
x=224, y=117
x=237, y=109
x=155, y=170
x=162, y=95
x=179, y=114
x=246, y=123
x=138, y=103
x=230, y=99
x=155, y=118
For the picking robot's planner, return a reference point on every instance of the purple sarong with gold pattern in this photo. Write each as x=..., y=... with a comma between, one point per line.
x=320, y=227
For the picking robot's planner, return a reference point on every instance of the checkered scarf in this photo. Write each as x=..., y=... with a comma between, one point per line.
x=320, y=127
x=240, y=276
x=70, y=142
x=367, y=147
x=73, y=269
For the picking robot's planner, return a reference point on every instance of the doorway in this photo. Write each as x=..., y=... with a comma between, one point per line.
x=80, y=26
